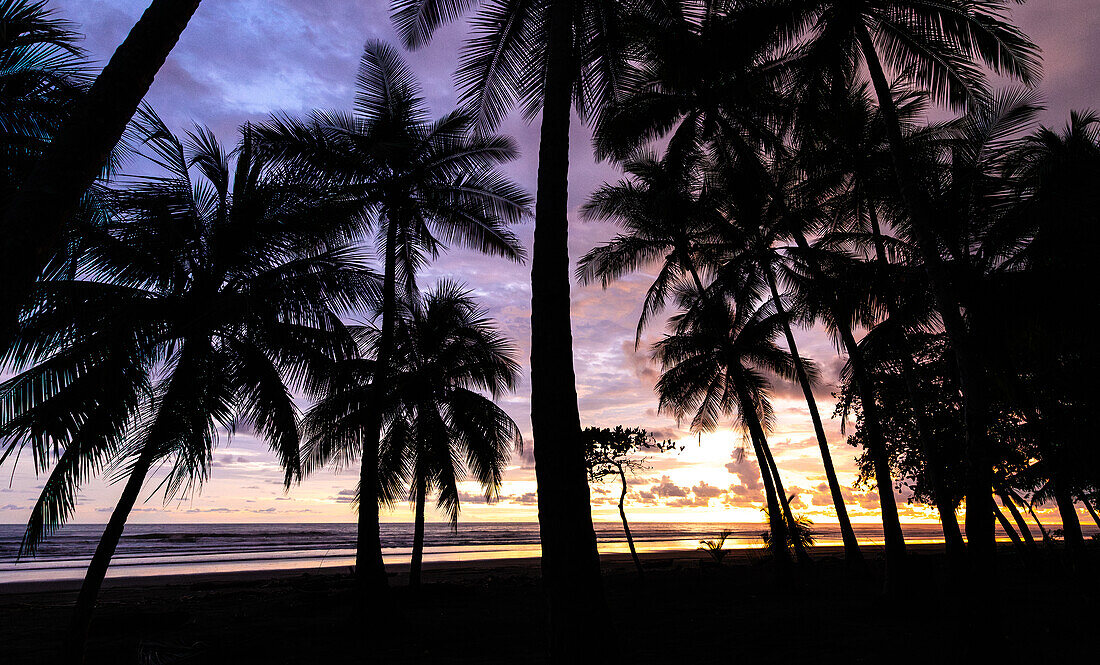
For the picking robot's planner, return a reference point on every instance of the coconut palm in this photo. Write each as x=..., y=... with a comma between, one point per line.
x=43, y=74
x=82, y=148
x=701, y=72
x=666, y=215
x=208, y=297
x=714, y=365
x=548, y=58
x=677, y=210
x=939, y=47
x=847, y=151
x=441, y=427
x=421, y=184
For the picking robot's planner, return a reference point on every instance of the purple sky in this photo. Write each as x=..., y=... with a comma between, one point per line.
x=244, y=59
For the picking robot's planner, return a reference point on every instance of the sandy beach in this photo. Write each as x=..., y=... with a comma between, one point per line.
x=685, y=610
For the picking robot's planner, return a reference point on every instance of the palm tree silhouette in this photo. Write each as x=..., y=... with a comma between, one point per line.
x=713, y=365
x=420, y=184
x=678, y=209
x=211, y=294
x=936, y=46
x=548, y=57
x=440, y=426
x=847, y=150
x=83, y=144
x=44, y=74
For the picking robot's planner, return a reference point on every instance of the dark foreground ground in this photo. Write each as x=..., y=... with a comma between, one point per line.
x=684, y=612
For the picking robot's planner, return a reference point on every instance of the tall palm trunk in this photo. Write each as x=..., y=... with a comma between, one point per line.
x=776, y=523
x=1071, y=526
x=785, y=503
x=34, y=221
x=101, y=560
x=979, y=520
x=570, y=560
x=626, y=527
x=370, y=570
x=852, y=552
x=418, y=532
x=891, y=524
x=945, y=503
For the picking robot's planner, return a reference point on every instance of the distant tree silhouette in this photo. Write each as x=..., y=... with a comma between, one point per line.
x=614, y=453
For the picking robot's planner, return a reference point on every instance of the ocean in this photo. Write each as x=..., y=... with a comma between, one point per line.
x=170, y=549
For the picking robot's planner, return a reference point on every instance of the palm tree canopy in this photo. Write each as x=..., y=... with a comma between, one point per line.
x=940, y=46
x=437, y=180
x=207, y=298
x=716, y=353
x=442, y=424
x=504, y=62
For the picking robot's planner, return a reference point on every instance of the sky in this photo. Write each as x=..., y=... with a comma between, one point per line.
x=242, y=60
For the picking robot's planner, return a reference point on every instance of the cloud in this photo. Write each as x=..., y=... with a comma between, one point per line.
x=666, y=489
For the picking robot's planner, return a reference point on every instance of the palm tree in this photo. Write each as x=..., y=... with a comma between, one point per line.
x=713, y=365
x=209, y=297
x=548, y=57
x=420, y=184
x=674, y=209
x=701, y=72
x=447, y=353
x=83, y=144
x=848, y=151
x=43, y=75
x=936, y=45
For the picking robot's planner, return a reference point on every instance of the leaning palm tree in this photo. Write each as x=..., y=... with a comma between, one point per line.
x=849, y=151
x=675, y=209
x=714, y=365
x=420, y=184
x=441, y=427
x=548, y=57
x=82, y=147
x=939, y=46
x=208, y=297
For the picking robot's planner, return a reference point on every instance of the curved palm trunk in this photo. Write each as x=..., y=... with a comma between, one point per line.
x=626, y=527
x=1021, y=523
x=370, y=571
x=852, y=552
x=570, y=560
x=795, y=541
x=979, y=520
x=418, y=533
x=97, y=570
x=891, y=524
x=52, y=192
x=1007, y=526
x=775, y=520
x=945, y=504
